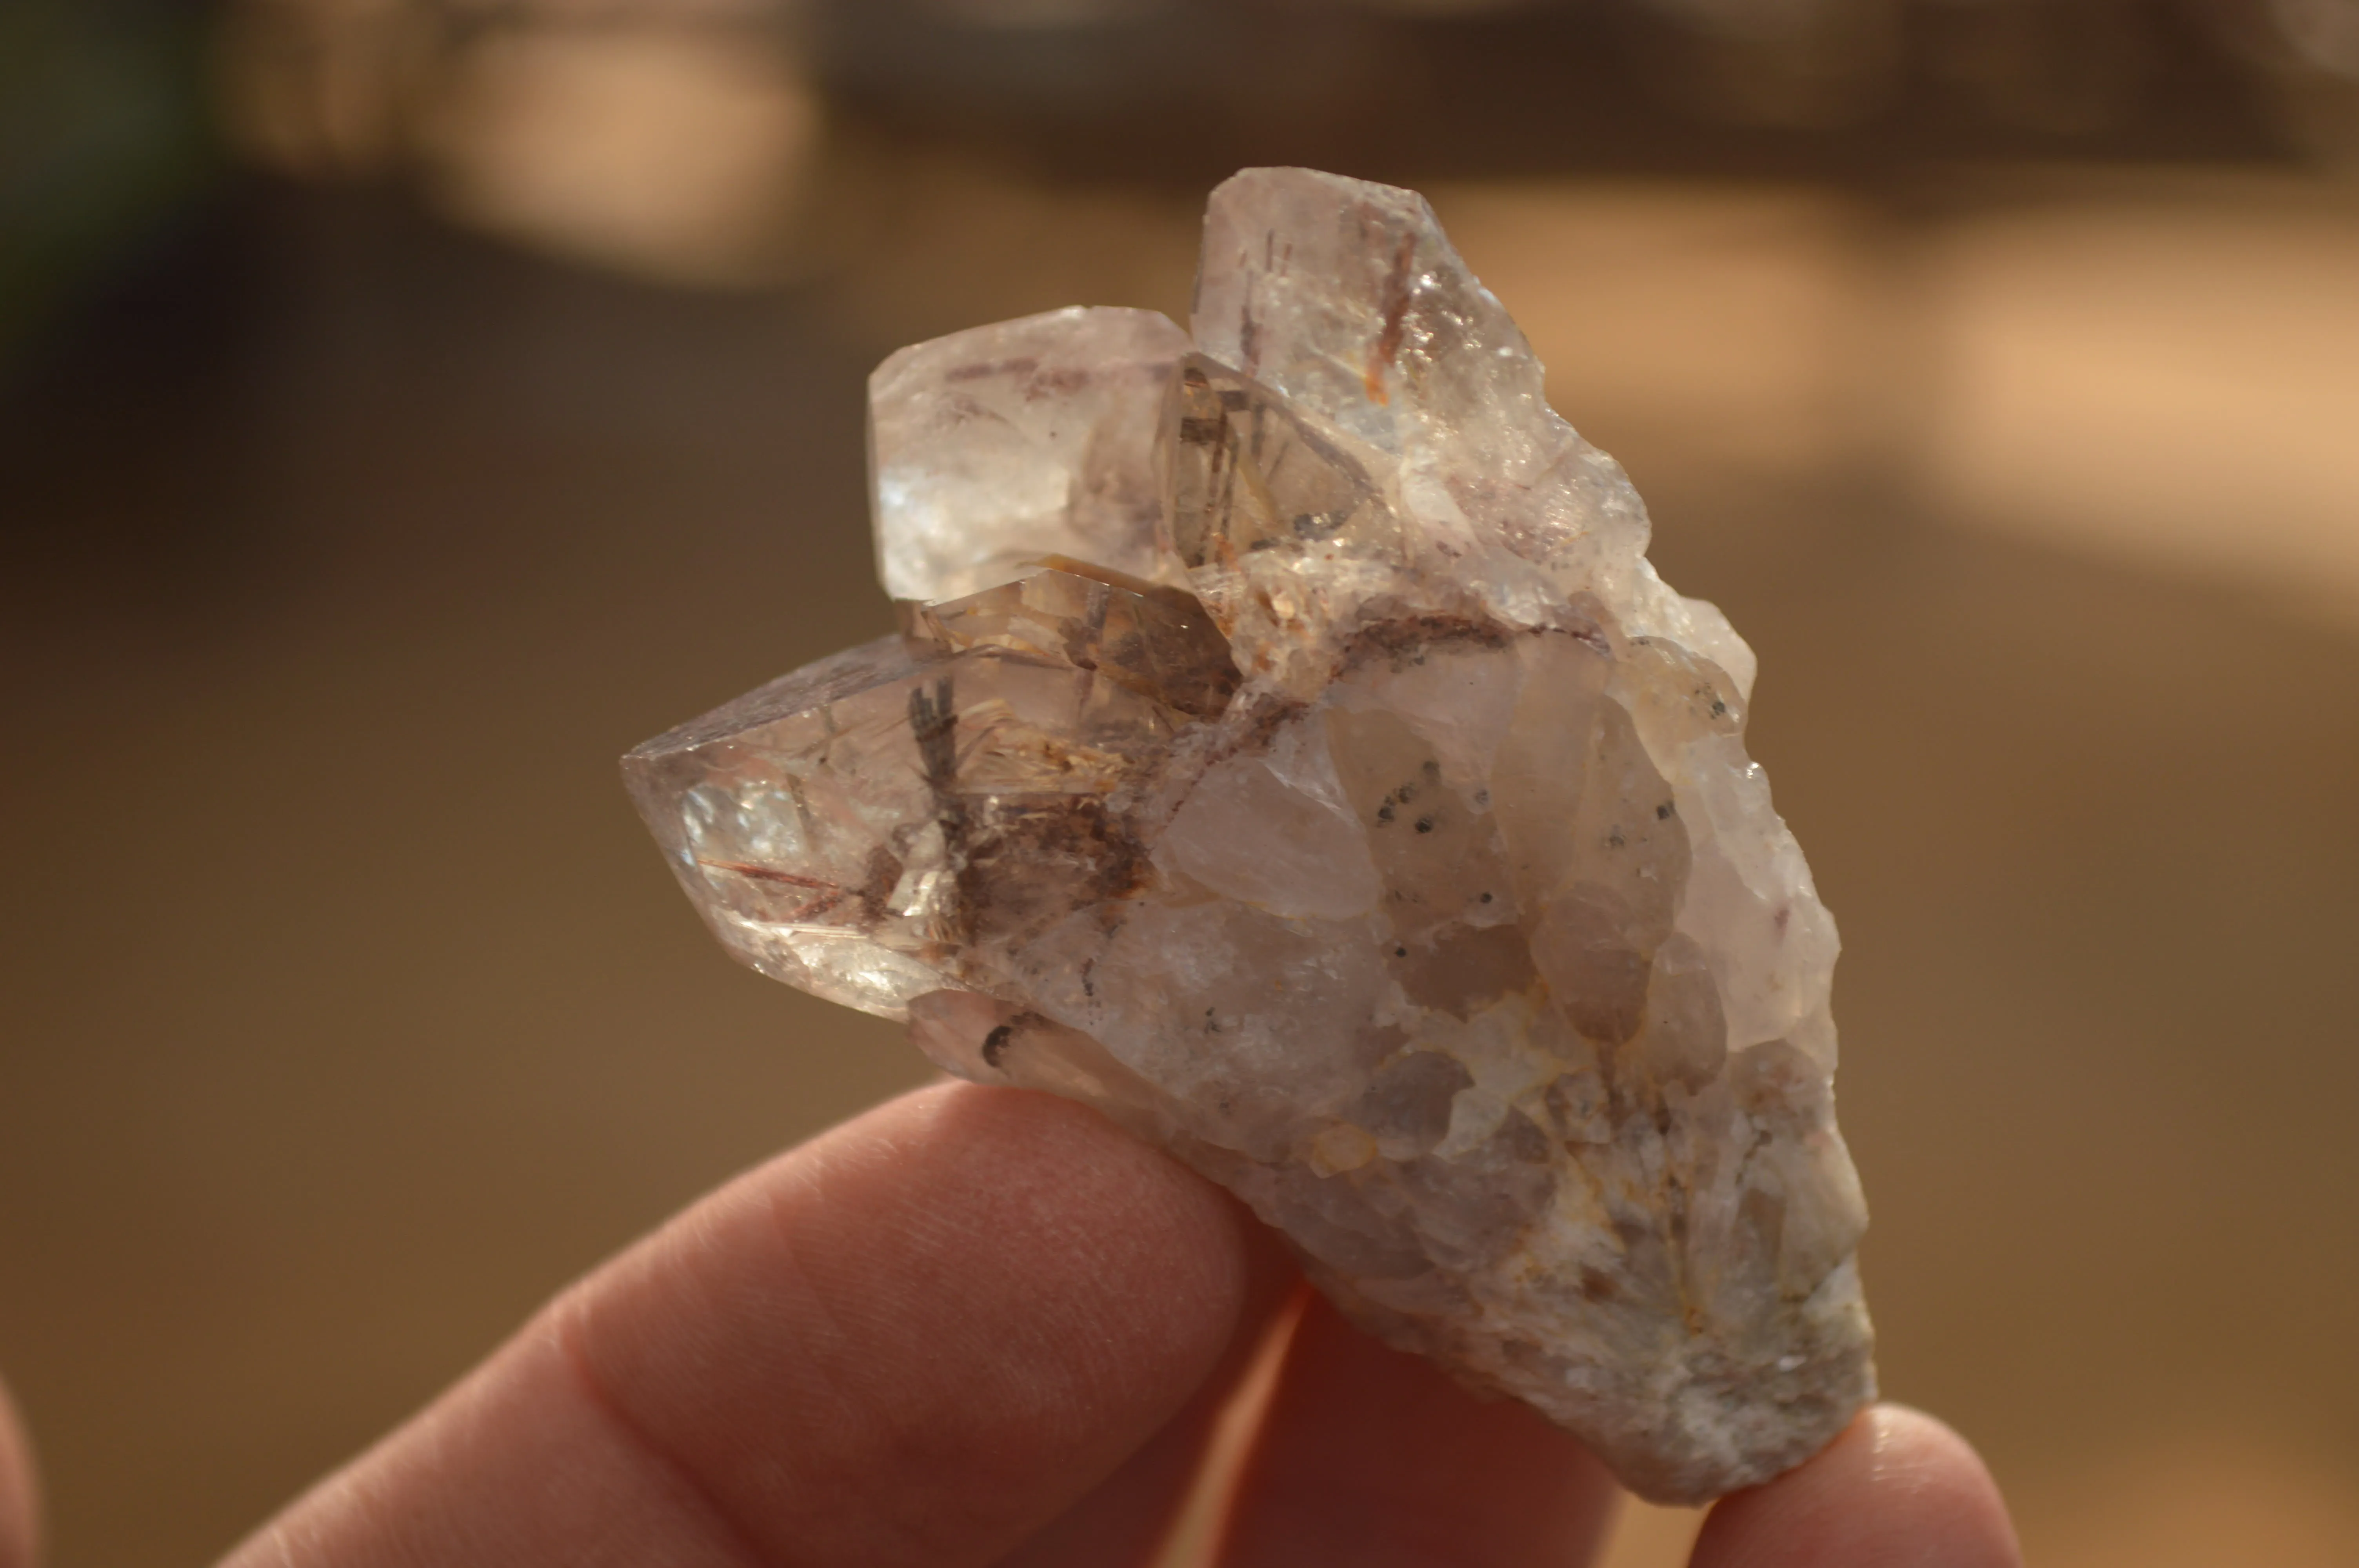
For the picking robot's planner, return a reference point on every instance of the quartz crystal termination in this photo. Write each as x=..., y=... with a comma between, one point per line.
x=1289, y=751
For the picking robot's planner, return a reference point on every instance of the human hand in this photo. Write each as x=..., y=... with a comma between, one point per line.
x=983, y=1325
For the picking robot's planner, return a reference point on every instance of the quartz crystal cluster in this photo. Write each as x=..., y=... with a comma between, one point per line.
x=1289, y=750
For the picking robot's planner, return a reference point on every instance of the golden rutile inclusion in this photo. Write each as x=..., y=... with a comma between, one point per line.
x=1289, y=751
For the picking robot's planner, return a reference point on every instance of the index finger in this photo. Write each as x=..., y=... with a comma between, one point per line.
x=912, y=1342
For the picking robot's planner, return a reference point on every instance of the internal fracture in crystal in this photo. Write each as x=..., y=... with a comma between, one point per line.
x=1289, y=751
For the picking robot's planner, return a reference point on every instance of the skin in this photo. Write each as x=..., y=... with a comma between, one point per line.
x=20, y=1523
x=982, y=1326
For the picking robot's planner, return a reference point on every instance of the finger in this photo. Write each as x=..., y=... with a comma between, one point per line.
x=912, y=1342
x=1897, y=1487
x=1129, y=1518
x=19, y=1499
x=1374, y=1459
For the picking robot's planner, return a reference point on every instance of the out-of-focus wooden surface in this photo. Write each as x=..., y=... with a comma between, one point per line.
x=348, y=1012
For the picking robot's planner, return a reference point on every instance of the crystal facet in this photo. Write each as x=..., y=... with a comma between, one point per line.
x=993, y=446
x=1289, y=751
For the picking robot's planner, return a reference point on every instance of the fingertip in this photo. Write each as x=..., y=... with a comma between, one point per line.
x=1897, y=1487
x=943, y=1322
x=1063, y=1233
x=19, y=1498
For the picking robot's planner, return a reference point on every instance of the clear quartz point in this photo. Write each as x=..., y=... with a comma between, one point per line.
x=993, y=446
x=1289, y=751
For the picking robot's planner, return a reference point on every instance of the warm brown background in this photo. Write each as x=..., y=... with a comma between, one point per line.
x=358, y=523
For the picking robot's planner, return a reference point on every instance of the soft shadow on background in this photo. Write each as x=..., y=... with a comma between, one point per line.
x=406, y=406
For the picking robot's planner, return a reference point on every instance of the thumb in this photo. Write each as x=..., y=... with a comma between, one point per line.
x=19, y=1516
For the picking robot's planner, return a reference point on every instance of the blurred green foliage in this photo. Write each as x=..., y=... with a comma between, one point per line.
x=104, y=139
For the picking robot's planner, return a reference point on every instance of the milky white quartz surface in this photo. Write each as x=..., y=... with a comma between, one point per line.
x=1289, y=751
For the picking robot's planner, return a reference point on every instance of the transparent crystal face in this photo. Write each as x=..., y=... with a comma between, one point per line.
x=1290, y=753
x=1155, y=641
x=996, y=446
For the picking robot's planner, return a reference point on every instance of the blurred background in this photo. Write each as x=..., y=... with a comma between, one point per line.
x=406, y=405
